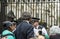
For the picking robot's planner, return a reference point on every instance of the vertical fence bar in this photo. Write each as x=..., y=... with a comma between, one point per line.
x=36, y=9
x=46, y=12
x=33, y=8
x=27, y=6
x=51, y=13
x=57, y=13
x=41, y=11
x=54, y=13
x=21, y=6
x=11, y=4
x=16, y=9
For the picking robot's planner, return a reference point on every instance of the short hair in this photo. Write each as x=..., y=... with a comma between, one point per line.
x=26, y=15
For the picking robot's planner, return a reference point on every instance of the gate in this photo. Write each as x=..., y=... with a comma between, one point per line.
x=47, y=10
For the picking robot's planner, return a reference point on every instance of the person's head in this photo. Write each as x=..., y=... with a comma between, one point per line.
x=13, y=26
x=9, y=25
x=19, y=20
x=11, y=16
x=26, y=16
x=35, y=21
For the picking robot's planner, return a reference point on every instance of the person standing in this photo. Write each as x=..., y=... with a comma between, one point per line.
x=25, y=30
x=7, y=31
x=38, y=29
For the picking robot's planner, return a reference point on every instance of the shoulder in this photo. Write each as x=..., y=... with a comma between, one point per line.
x=6, y=32
x=25, y=24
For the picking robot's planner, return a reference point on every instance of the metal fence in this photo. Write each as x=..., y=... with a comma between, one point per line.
x=47, y=10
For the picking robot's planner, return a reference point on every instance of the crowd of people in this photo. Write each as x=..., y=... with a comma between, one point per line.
x=28, y=28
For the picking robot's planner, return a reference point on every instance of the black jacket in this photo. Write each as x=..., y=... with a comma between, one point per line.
x=24, y=31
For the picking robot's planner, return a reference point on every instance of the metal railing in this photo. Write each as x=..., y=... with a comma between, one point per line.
x=47, y=11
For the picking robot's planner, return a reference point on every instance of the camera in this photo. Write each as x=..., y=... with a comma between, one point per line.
x=40, y=31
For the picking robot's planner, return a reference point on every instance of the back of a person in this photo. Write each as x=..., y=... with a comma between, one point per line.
x=20, y=28
x=23, y=31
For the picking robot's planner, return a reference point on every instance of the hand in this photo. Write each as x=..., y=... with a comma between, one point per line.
x=4, y=37
x=41, y=37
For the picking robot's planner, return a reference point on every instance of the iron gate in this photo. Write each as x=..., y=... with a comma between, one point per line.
x=47, y=10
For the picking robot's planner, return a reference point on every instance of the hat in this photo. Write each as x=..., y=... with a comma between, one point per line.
x=35, y=19
x=7, y=23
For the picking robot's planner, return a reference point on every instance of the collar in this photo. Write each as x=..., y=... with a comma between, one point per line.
x=26, y=21
x=37, y=26
x=14, y=30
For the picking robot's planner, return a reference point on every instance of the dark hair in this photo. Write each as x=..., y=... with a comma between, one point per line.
x=19, y=20
x=26, y=16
